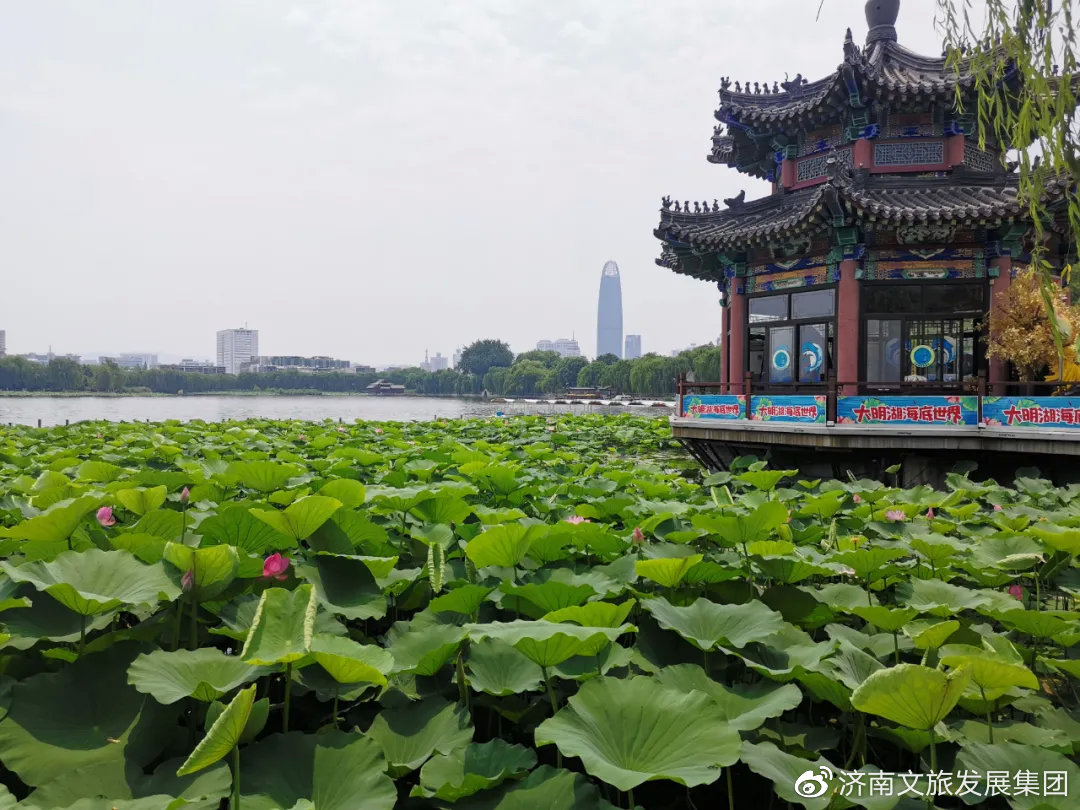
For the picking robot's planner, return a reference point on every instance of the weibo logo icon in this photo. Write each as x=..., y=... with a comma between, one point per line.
x=813, y=784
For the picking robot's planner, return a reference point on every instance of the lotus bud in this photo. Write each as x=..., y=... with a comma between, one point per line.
x=930, y=513
x=185, y=495
x=1016, y=592
x=105, y=516
x=857, y=498
x=997, y=507
x=275, y=566
x=638, y=537
x=187, y=581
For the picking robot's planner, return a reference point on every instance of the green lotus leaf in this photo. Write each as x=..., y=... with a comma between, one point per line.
x=503, y=546
x=744, y=529
x=83, y=715
x=148, y=548
x=630, y=731
x=204, y=674
x=498, y=669
x=130, y=788
x=744, y=707
x=1070, y=665
x=283, y=627
x=223, y=735
x=47, y=620
x=888, y=619
x=141, y=501
x=464, y=599
x=349, y=491
x=1012, y=553
x=264, y=476
x=411, y=734
x=167, y=524
x=234, y=525
x=1036, y=623
x=669, y=571
x=547, y=643
x=95, y=581
x=1058, y=538
x=350, y=662
x=476, y=767
x=593, y=614
x=443, y=507
x=930, y=636
x=536, y=599
x=975, y=731
x=300, y=519
x=214, y=567
x=705, y=623
x=992, y=676
x=1011, y=757
x=546, y=787
x=56, y=524
x=423, y=647
x=329, y=771
x=914, y=696
x=869, y=564
x=939, y=598
x=98, y=471
x=784, y=770
x=345, y=585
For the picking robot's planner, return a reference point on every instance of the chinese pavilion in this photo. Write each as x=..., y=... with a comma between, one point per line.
x=888, y=233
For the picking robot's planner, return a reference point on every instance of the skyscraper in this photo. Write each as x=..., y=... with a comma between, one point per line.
x=236, y=348
x=609, y=312
x=632, y=347
x=3, y=343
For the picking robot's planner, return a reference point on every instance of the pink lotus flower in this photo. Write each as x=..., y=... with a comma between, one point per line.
x=997, y=507
x=185, y=495
x=301, y=437
x=788, y=516
x=187, y=581
x=638, y=537
x=105, y=516
x=275, y=566
x=550, y=429
x=341, y=429
x=857, y=498
x=378, y=430
x=1016, y=592
x=930, y=513
x=576, y=519
x=895, y=515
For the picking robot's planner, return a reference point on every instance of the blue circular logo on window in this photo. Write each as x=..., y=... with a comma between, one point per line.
x=813, y=354
x=781, y=358
x=923, y=356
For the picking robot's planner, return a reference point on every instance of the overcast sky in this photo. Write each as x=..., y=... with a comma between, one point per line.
x=368, y=179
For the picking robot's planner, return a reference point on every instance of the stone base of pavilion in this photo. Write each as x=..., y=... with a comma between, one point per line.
x=926, y=452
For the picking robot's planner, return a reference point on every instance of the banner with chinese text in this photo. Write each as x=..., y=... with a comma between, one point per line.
x=1055, y=412
x=714, y=406
x=788, y=408
x=868, y=410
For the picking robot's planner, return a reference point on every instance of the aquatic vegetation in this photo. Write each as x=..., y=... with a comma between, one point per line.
x=533, y=612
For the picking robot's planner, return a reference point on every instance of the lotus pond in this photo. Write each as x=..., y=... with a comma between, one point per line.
x=527, y=613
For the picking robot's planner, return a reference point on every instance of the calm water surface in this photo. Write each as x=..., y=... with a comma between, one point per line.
x=57, y=410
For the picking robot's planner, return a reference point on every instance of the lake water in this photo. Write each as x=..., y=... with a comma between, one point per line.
x=57, y=410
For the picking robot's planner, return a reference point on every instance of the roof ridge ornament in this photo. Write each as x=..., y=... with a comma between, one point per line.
x=881, y=20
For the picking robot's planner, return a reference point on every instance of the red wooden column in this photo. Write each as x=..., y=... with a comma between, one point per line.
x=737, y=319
x=999, y=370
x=724, y=345
x=847, y=327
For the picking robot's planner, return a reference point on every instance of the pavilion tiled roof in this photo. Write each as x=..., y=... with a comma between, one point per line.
x=845, y=198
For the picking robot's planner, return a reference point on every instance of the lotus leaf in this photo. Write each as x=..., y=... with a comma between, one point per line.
x=744, y=708
x=283, y=627
x=547, y=643
x=410, y=735
x=914, y=696
x=300, y=519
x=223, y=735
x=476, y=767
x=140, y=501
x=497, y=668
x=350, y=662
x=705, y=624
x=668, y=572
x=204, y=674
x=503, y=546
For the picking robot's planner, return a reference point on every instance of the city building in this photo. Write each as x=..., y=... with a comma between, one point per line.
x=609, y=338
x=565, y=347
x=383, y=388
x=131, y=360
x=888, y=236
x=632, y=347
x=457, y=357
x=189, y=366
x=45, y=359
x=436, y=363
x=3, y=343
x=236, y=348
x=362, y=369
x=278, y=362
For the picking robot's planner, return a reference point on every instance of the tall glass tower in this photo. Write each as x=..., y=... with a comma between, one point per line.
x=609, y=338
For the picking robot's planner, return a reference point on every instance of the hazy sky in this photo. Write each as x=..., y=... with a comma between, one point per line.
x=370, y=178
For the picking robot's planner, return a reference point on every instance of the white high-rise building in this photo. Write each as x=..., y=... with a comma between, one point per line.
x=3, y=343
x=632, y=347
x=566, y=347
x=236, y=348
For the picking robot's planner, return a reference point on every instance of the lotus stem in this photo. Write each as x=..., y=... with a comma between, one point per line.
x=896, y=647
x=288, y=696
x=554, y=710
x=730, y=789
x=933, y=751
x=630, y=795
x=989, y=716
x=463, y=687
x=235, y=803
x=193, y=638
x=337, y=689
x=82, y=633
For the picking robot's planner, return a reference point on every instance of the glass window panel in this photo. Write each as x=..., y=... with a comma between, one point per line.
x=924, y=351
x=890, y=298
x=781, y=354
x=769, y=308
x=816, y=304
x=813, y=352
x=757, y=354
x=951, y=349
x=950, y=298
x=883, y=342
